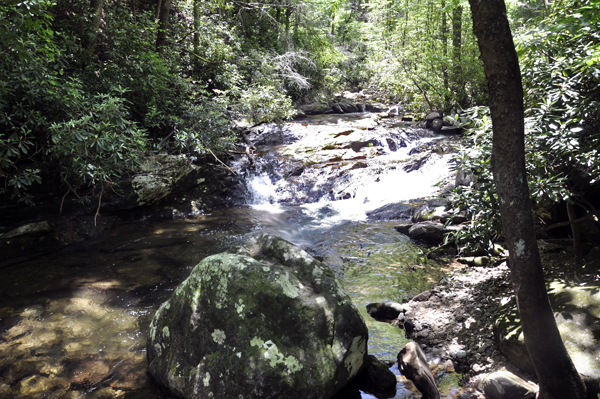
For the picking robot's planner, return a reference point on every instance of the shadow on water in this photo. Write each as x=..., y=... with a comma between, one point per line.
x=73, y=323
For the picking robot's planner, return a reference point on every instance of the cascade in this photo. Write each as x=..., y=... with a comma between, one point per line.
x=330, y=193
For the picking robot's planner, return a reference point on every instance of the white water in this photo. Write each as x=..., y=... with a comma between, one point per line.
x=263, y=193
x=392, y=186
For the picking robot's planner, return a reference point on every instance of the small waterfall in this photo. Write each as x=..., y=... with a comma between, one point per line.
x=261, y=190
x=324, y=184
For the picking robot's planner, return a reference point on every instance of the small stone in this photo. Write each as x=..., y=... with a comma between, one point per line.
x=422, y=297
x=461, y=354
x=448, y=365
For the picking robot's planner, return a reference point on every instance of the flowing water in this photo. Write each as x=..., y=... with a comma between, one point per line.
x=73, y=323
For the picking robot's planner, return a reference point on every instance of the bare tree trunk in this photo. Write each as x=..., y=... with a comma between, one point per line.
x=196, y=33
x=163, y=25
x=158, y=7
x=288, y=15
x=577, y=250
x=457, y=78
x=96, y=8
x=556, y=374
x=444, y=33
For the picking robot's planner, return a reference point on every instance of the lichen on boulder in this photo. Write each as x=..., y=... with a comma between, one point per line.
x=265, y=321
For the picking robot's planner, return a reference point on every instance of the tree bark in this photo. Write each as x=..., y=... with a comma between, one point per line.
x=444, y=33
x=457, y=78
x=96, y=8
x=556, y=374
x=163, y=25
x=196, y=33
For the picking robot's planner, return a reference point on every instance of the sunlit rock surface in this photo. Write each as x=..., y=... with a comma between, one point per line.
x=577, y=313
x=160, y=176
x=505, y=385
x=268, y=321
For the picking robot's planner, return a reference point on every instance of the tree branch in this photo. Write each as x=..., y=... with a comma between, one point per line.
x=590, y=215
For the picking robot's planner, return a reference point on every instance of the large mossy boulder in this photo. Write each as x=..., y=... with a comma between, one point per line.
x=577, y=314
x=267, y=321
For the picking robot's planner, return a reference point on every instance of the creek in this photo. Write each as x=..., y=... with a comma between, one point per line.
x=73, y=323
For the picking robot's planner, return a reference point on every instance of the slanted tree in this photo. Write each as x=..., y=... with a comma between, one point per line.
x=557, y=377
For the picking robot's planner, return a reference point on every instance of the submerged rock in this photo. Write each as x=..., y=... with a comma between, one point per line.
x=577, y=314
x=376, y=378
x=268, y=321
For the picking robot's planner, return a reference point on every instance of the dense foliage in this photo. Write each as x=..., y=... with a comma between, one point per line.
x=87, y=89
x=424, y=54
x=559, y=57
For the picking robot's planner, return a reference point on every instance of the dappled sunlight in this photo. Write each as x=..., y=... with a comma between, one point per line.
x=577, y=312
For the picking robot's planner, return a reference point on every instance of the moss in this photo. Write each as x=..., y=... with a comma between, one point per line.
x=449, y=383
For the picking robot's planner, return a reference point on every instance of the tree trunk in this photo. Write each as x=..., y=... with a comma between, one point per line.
x=444, y=34
x=96, y=8
x=196, y=34
x=556, y=374
x=288, y=15
x=457, y=78
x=577, y=250
x=163, y=25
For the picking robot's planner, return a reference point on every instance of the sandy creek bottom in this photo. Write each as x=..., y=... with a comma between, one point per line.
x=73, y=323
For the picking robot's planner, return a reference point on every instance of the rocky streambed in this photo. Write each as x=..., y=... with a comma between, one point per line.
x=73, y=322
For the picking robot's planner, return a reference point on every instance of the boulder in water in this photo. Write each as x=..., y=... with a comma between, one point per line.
x=161, y=175
x=268, y=321
x=315, y=108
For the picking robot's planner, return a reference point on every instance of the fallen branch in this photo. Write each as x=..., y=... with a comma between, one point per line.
x=221, y=162
x=99, y=202
x=68, y=191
